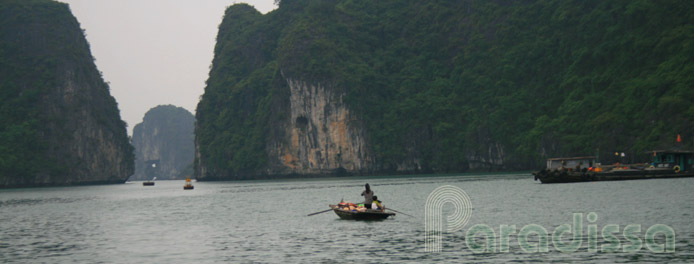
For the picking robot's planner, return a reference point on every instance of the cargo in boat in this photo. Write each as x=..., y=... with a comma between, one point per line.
x=350, y=211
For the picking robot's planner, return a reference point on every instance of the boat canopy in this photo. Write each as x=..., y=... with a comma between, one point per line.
x=571, y=162
x=680, y=159
x=670, y=151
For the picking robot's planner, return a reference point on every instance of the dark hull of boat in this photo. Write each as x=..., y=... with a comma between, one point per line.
x=148, y=184
x=564, y=176
x=369, y=215
x=188, y=187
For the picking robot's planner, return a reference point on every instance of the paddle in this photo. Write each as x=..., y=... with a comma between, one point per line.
x=320, y=212
x=388, y=208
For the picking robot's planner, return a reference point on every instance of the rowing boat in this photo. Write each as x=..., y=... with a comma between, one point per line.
x=345, y=213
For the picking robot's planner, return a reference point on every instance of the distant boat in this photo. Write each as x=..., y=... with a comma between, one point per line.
x=665, y=164
x=350, y=211
x=188, y=185
x=149, y=183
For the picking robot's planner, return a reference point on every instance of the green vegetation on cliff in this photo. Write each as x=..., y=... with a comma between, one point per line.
x=459, y=84
x=233, y=115
x=50, y=92
x=22, y=152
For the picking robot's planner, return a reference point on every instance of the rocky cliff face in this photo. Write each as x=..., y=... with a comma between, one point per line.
x=70, y=126
x=286, y=122
x=322, y=136
x=163, y=143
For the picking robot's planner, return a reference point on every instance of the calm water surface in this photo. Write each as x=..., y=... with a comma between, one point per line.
x=265, y=221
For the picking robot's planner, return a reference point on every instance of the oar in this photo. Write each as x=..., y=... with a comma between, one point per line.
x=388, y=208
x=320, y=212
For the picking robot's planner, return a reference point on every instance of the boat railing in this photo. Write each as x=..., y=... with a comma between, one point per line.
x=618, y=167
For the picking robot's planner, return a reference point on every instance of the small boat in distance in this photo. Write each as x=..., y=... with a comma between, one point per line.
x=188, y=185
x=149, y=183
x=665, y=164
x=350, y=211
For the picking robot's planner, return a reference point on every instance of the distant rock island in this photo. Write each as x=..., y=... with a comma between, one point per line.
x=59, y=125
x=318, y=88
x=164, y=144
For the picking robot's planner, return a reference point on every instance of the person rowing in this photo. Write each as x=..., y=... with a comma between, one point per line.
x=368, y=196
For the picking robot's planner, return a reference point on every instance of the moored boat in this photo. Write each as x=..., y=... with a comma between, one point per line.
x=188, y=185
x=149, y=183
x=350, y=211
x=665, y=164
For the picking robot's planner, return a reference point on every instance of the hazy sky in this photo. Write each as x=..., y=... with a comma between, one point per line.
x=154, y=52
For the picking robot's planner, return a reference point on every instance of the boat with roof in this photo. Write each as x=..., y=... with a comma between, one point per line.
x=664, y=164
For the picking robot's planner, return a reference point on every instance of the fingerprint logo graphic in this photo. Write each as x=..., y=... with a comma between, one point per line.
x=433, y=214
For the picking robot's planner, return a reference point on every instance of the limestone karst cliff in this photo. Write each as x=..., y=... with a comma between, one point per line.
x=59, y=125
x=321, y=87
x=320, y=135
x=163, y=143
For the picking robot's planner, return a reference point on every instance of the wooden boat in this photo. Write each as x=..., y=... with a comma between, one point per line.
x=149, y=183
x=367, y=214
x=188, y=185
x=666, y=164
